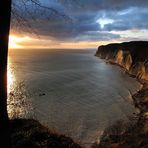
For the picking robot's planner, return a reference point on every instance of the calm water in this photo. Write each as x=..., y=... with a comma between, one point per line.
x=71, y=91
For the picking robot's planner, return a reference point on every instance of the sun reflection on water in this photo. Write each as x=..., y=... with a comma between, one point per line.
x=18, y=105
x=10, y=87
x=10, y=76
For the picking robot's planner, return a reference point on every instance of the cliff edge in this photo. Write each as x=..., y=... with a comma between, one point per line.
x=133, y=58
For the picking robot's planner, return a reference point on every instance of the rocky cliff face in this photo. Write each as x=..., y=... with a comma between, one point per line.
x=133, y=56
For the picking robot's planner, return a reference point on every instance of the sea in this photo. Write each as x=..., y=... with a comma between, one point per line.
x=70, y=91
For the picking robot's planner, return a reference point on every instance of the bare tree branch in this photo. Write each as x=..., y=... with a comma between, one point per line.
x=21, y=20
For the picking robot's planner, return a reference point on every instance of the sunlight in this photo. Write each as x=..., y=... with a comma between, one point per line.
x=28, y=42
x=10, y=77
x=104, y=21
x=14, y=42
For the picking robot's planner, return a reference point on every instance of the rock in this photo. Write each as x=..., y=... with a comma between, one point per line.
x=133, y=56
x=42, y=94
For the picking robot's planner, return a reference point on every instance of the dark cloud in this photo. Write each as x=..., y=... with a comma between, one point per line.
x=96, y=36
x=106, y=5
x=84, y=15
x=134, y=18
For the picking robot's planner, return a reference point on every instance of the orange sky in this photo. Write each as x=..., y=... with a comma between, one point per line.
x=27, y=42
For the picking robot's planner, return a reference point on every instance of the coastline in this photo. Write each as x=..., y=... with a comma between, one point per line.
x=144, y=87
x=135, y=133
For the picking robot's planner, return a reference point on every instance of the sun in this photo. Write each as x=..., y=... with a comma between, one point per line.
x=14, y=42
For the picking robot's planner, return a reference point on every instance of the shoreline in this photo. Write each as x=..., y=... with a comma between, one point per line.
x=140, y=102
x=144, y=83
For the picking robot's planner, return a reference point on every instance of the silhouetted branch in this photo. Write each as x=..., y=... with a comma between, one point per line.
x=29, y=15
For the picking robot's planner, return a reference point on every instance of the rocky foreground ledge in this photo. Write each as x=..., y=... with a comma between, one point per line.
x=133, y=58
x=29, y=133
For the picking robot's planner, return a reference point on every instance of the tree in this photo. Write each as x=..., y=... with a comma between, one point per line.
x=5, y=17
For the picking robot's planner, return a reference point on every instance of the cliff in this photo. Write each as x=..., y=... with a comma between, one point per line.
x=133, y=56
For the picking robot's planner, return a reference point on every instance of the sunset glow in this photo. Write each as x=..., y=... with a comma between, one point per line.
x=14, y=42
x=26, y=42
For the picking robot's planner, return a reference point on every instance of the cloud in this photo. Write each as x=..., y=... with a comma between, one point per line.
x=86, y=18
x=95, y=5
x=134, y=18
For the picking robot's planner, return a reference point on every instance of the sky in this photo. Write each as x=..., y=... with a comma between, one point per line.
x=77, y=23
